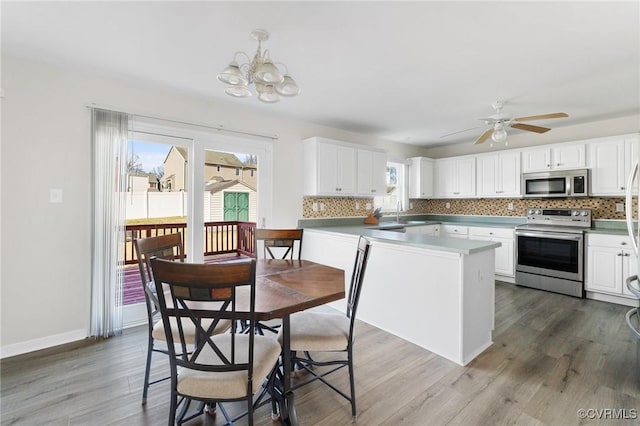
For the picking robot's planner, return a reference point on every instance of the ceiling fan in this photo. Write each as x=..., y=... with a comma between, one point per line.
x=500, y=121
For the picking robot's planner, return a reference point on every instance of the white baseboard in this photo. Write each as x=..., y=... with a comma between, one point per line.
x=612, y=299
x=42, y=343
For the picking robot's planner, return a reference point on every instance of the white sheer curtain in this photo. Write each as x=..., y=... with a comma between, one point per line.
x=109, y=179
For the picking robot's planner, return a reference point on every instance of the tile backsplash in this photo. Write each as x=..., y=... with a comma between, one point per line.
x=327, y=207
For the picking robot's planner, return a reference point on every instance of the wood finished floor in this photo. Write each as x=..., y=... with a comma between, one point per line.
x=552, y=355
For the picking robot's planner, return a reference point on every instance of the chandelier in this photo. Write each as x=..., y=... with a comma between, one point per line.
x=268, y=81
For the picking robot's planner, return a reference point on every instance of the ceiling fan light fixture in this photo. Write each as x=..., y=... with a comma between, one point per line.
x=499, y=134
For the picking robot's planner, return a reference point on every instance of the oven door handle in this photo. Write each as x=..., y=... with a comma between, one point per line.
x=628, y=207
x=549, y=235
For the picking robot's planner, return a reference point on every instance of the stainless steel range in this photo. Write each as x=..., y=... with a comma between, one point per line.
x=550, y=250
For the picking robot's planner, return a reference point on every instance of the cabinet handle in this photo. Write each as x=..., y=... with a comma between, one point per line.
x=373, y=190
x=456, y=193
x=490, y=233
x=626, y=254
x=548, y=165
x=622, y=188
x=558, y=164
x=619, y=254
x=623, y=243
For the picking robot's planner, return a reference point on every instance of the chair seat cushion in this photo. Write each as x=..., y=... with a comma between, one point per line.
x=230, y=385
x=316, y=331
x=188, y=328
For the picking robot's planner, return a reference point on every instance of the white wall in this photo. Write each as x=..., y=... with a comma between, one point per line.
x=46, y=143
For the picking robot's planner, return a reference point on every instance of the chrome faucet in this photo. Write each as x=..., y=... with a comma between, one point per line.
x=398, y=208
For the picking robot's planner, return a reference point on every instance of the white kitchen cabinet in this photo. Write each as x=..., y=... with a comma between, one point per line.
x=334, y=168
x=454, y=231
x=611, y=160
x=505, y=255
x=498, y=175
x=372, y=169
x=420, y=177
x=456, y=177
x=610, y=260
x=558, y=157
x=432, y=230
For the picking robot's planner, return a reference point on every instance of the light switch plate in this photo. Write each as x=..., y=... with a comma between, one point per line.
x=55, y=195
x=620, y=207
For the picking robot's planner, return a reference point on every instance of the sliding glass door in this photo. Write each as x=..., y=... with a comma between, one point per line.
x=229, y=184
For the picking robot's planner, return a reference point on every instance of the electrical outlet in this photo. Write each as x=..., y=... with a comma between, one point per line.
x=447, y=205
x=510, y=206
x=321, y=207
x=314, y=206
x=411, y=206
x=620, y=207
x=368, y=206
x=357, y=205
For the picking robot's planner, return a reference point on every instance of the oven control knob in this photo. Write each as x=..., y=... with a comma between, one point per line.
x=531, y=211
x=538, y=211
x=576, y=213
x=585, y=213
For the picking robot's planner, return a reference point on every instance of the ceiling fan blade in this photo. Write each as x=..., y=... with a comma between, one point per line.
x=530, y=128
x=542, y=116
x=459, y=131
x=483, y=137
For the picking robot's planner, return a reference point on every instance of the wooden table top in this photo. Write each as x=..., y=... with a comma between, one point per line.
x=287, y=286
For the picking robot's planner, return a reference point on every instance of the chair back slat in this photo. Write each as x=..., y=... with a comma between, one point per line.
x=357, y=277
x=280, y=238
x=188, y=293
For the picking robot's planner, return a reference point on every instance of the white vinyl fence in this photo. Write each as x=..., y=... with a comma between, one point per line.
x=144, y=205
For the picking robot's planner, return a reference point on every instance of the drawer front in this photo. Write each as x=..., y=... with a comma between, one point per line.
x=490, y=232
x=609, y=240
x=454, y=229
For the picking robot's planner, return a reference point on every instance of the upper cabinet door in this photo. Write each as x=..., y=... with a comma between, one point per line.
x=421, y=178
x=456, y=177
x=569, y=157
x=608, y=169
x=557, y=158
x=536, y=160
x=611, y=160
x=498, y=175
x=372, y=169
x=329, y=168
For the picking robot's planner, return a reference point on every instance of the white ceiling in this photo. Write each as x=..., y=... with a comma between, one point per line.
x=402, y=71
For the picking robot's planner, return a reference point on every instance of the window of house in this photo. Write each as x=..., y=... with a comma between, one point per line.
x=237, y=171
x=218, y=168
x=396, y=188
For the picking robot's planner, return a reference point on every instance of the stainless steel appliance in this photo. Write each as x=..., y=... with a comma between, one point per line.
x=558, y=183
x=550, y=250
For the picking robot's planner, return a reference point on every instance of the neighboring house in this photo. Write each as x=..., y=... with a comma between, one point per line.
x=230, y=201
x=142, y=182
x=219, y=166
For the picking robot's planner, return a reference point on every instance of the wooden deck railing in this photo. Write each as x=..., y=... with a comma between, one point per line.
x=219, y=237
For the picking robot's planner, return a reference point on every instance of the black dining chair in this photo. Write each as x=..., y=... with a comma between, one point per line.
x=222, y=367
x=312, y=331
x=167, y=247
x=277, y=244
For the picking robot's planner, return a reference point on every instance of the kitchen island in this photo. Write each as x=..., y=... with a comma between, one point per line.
x=435, y=292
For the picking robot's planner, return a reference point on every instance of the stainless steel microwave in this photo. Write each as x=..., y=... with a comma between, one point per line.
x=557, y=183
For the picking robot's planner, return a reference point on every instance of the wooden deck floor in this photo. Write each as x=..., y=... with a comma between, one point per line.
x=552, y=356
